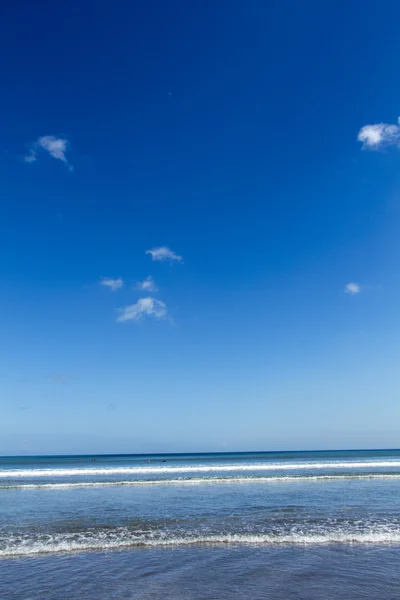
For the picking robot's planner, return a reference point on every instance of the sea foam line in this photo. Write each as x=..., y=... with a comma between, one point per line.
x=11, y=473
x=199, y=481
x=66, y=545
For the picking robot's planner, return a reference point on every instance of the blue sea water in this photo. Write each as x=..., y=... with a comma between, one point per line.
x=312, y=525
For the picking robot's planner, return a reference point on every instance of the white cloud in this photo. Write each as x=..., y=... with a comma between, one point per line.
x=163, y=253
x=113, y=284
x=380, y=135
x=144, y=307
x=56, y=147
x=148, y=284
x=31, y=157
x=352, y=288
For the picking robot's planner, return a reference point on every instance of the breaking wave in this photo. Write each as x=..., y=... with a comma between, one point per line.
x=149, y=470
x=201, y=481
x=18, y=545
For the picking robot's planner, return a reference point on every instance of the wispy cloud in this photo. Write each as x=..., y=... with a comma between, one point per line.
x=163, y=253
x=147, y=285
x=144, y=307
x=58, y=378
x=113, y=284
x=352, y=288
x=379, y=135
x=55, y=147
x=31, y=156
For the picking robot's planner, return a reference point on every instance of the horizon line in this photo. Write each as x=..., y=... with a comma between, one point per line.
x=199, y=453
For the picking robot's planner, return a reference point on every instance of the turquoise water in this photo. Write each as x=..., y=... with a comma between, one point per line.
x=201, y=525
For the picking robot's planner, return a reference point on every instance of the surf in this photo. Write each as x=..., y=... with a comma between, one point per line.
x=104, y=541
x=85, y=471
x=201, y=481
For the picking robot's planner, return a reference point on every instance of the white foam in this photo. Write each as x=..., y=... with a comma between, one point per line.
x=89, y=471
x=200, y=481
x=67, y=543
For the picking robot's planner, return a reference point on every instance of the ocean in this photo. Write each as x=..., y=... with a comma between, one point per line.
x=278, y=525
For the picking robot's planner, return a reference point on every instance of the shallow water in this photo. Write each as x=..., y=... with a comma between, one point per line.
x=285, y=525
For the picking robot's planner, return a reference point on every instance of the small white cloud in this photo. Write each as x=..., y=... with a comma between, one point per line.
x=113, y=284
x=352, y=288
x=56, y=147
x=148, y=284
x=379, y=135
x=31, y=157
x=163, y=253
x=144, y=307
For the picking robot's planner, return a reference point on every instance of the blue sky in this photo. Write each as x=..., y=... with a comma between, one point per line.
x=245, y=157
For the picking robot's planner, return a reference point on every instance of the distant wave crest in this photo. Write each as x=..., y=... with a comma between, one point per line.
x=150, y=470
x=202, y=481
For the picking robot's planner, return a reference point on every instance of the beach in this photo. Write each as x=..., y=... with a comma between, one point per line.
x=246, y=525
